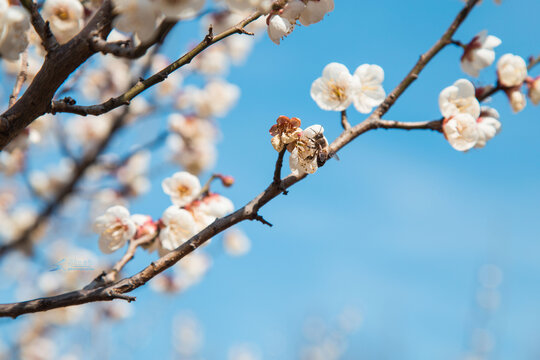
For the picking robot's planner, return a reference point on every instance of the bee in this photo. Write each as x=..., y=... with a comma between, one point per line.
x=319, y=144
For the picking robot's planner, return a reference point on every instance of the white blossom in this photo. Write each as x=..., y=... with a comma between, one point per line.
x=65, y=18
x=278, y=28
x=236, y=243
x=315, y=11
x=518, y=100
x=479, y=53
x=133, y=173
x=182, y=187
x=369, y=91
x=86, y=131
x=461, y=131
x=136, y=16
x=216, y=205
x=115, y=228
x=488, y=126
x=511, y=70
x=179, y=9
x=304, y=156
x=14, y=25
x=178, y=226
x=193, y=156
x=458, y=99
x=334, y=90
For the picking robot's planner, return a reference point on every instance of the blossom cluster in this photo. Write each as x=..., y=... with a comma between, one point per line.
x=192, y=211
x=466, y=124
x=308, y=148
x=282, y=22
x=337, y=88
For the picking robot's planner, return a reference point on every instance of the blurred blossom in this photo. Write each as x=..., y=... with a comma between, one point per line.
x=14, y=25
x=195, y=156
x=215, y=100
x=490, y=276
x=483, y=341
x=187, y=334
x=212, y=62
x=47, y=184
x=132, y=174
x=13, y=67
x=39, y=348
x=50, y=282
x=236, y=243
x=350, y=320
x=117, y=310
x=108, y=79
x=173, y=81
x=14, y=224
x=488, y=299
x=136, y=16
x=87, y=131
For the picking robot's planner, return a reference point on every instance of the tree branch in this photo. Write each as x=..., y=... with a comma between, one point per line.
x=125, y=98
x=121, y=49
x=248, y=212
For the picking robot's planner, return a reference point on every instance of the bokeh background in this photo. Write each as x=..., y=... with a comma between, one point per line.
x=403, y=249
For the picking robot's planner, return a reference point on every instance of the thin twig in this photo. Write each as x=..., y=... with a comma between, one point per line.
x=21, y=78
x=344, y=121
x=125, y=98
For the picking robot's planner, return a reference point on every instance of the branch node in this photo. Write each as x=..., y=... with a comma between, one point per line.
x=259, y=218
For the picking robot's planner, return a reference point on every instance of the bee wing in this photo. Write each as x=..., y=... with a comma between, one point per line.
x=334, y=155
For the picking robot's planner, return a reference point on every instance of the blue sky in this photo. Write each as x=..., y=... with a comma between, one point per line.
x=398, y=228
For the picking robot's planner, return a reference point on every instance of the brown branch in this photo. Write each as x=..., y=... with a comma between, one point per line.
x=59, y=63
x=125, y=98
x=371, y=122
x=435, y=125
x=248, y=212
x=121, y=49
x=42, y=28
x=21, y=78
x=344, y=121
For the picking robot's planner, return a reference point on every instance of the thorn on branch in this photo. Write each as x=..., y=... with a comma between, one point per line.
x=259, y=218
x=116, y=295
x=241, y=30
